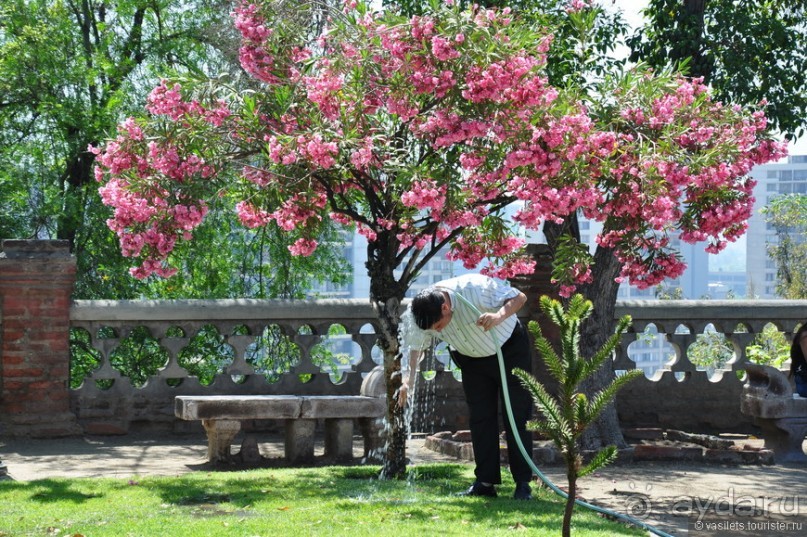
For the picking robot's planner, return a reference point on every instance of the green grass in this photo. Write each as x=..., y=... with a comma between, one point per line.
x=348, y=501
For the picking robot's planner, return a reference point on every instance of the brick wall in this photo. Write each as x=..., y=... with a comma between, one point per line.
x=36, y=280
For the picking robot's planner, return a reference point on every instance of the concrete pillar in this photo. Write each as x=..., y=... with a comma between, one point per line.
x=300, y=440
x=220, y=435
x=339, y=439
x=535, y=285
x=36, y=281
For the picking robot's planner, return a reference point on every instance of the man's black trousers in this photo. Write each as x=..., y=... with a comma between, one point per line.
x=483, y=393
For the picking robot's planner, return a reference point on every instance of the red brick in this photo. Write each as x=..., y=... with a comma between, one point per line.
x=50, y=349
x=60, y=396
x=35, y=296
x=667, y=453
x=45, y=385
x=22, y=372
x=13, y=385
x=13, y=333
x=16, y=349
x=14, y=407
x=12, y=358
x=16, y=324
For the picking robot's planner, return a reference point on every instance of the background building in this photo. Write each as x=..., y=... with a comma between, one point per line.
x=788, y=177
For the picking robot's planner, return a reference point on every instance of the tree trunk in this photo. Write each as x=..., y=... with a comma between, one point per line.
x=77, y=176
x=569, y=509
x=694, y=47
x=394, y=464
x=594, y=332
x=386, y=295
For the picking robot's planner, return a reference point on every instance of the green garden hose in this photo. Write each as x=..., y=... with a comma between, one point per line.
x=545, y=480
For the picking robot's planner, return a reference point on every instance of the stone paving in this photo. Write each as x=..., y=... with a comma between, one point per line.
x=678, y=498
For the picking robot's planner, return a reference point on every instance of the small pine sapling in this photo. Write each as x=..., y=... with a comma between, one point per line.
x=566, y=415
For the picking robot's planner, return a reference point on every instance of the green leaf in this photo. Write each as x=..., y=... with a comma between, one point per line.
x=603, y=457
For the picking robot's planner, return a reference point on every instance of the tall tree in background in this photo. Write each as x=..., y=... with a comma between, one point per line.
x=788, y=216
x=420, y=132
x=746, y=52
x=70, y=70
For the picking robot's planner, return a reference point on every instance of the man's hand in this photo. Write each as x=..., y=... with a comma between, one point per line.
x=489, y=320
x=403, y=394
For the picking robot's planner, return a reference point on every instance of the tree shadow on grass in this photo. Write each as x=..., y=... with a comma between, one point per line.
x=244, y=488
x=428, y=496
x=54, y=490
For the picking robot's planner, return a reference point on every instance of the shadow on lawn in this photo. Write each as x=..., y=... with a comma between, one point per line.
x=53, y=490
x=243, y=488
x=428, y=496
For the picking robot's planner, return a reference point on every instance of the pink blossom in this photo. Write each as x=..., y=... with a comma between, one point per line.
x=320, y=152
x=167, y=101
x=257, y=176
x=575, y=6
x=443, y=49
x=250, y=23
x=323, y=90
x=259, y=63
x=298, y=210
x=511, y=268
x=440, y=121
x=425, y=194
x=362, y=157
x=367, y=232
x=131, y=129
x=303, y=247
x=251, y=216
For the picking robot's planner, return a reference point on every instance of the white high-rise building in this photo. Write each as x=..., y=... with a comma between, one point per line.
x=788, y=177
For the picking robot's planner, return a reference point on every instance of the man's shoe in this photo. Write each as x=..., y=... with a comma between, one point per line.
x=478, y=489
x=523, y=491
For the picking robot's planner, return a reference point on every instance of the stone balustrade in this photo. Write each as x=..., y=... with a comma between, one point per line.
x=271, y=347
x=680, y=396
x=684, y=396
x=108, y=402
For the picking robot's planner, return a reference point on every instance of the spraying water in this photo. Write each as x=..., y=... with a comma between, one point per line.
x=418, y=406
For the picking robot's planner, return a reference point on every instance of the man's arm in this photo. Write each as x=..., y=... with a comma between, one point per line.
x=408, y=381
x=510, y=307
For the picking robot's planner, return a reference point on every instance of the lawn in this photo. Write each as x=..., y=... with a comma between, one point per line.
x=336, y=501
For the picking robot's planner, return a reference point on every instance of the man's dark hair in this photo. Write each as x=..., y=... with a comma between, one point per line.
x=427, y=307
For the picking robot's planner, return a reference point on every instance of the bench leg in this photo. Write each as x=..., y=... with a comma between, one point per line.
x=339, y=439
x=300, y=440
x=220, y=434
x=785, y=437
x=372, y=430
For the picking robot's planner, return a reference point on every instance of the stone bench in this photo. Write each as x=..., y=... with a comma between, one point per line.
x=221, y=417
x=768, y=397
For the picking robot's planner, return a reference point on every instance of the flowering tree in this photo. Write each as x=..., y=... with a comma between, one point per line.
x=420, y=132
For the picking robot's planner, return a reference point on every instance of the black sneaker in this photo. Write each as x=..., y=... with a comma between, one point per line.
x=523, y=491
x=478, y=489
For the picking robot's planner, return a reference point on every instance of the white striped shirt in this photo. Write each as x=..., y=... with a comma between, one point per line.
x=462, y=333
